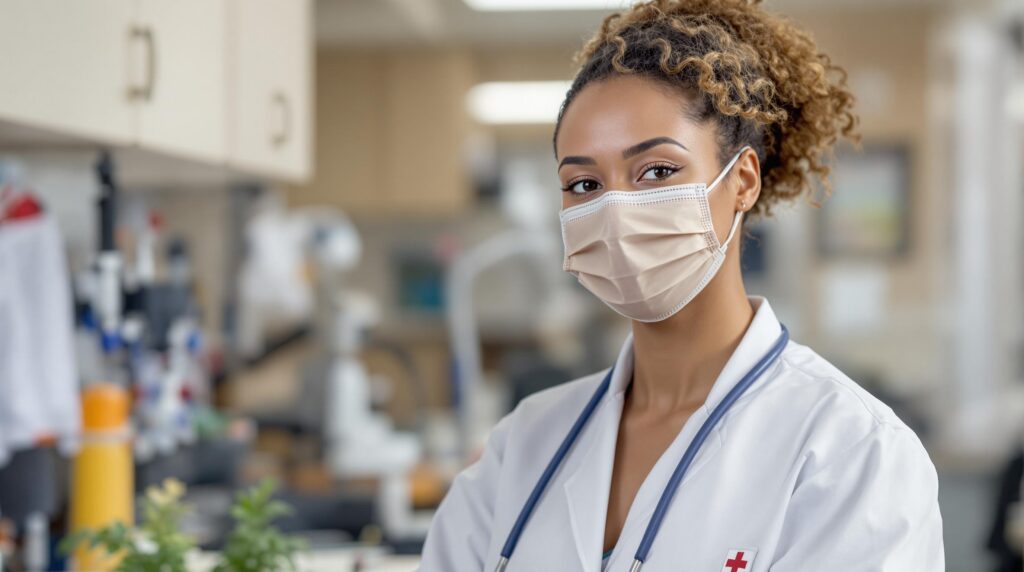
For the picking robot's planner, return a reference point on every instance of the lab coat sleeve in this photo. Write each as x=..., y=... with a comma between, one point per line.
x=874, y=507
x=460, y=532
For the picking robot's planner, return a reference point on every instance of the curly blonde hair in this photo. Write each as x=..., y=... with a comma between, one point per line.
x=761, y=80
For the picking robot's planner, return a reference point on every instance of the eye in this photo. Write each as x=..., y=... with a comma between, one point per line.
x=658, y=172
x=582, y=186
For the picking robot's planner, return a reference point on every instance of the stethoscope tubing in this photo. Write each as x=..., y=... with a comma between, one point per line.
x=549, y=471
x=709, y=424
x=678, y=474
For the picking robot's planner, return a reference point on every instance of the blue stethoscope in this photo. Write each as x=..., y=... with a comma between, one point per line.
x=677, y=475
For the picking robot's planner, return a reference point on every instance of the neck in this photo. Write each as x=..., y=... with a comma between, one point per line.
x=678, y=359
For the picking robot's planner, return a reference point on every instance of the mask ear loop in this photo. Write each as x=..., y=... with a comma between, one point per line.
x=727, y=168
x=732, y=232
x=739, y=214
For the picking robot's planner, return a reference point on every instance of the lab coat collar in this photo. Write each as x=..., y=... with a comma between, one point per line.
x=587, y=487
x=762, y=333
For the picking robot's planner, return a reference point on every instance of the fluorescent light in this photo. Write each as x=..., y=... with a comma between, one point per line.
x=505, y=102
x=534, y=5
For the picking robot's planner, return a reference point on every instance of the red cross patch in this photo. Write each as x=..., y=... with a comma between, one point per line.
x=740, y=560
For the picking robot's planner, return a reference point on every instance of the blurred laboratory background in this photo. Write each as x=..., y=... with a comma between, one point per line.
x=316, y=242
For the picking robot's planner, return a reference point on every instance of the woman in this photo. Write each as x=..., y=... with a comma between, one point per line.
x=714, y=443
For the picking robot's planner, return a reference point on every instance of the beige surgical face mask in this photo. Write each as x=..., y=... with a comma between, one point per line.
x=646, y=253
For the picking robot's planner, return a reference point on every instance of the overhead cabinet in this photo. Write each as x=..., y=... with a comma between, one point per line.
x=271, y=74
x=215, y=82
x=64, y=67
x=181, y=96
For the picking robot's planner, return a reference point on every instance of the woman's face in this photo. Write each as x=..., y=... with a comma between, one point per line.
x=627, y=133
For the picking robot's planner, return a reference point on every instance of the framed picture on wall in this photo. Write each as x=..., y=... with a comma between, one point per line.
x=867, y=215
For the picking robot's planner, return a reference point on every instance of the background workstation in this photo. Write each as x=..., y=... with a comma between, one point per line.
x=335, y=232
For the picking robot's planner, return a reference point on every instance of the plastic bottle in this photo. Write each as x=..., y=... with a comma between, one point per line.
x=37, y=539
x=102, y=479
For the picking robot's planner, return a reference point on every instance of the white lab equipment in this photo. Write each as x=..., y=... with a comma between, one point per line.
x=169, y=422
x=145, y=228
x=109, y=261
x=473, y=407
x=360, y=442
x=803, y=456
x=532, y=238
x=274, y=292
x=36, y=551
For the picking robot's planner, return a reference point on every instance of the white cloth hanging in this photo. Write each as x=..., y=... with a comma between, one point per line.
x=38, y=382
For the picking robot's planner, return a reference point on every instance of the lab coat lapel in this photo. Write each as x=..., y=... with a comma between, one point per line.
x=586, y=489
x=764, y=329
x=654, y=484
x=760, y=336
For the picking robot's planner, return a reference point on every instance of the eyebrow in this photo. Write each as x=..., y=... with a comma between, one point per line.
x=576, y=160
x=629, y=152
x=645, y=145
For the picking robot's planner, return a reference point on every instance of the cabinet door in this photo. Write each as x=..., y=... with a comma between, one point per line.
x=62, y=67
x=182, y=98
x=271, y=58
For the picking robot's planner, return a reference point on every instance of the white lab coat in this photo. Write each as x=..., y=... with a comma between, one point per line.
x=807, y=471
x=38, y=376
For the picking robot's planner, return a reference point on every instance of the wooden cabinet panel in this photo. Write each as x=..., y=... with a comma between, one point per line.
x=391, y=130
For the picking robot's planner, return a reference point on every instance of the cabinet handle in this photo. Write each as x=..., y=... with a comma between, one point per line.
x=282, y=136
x=144, y=92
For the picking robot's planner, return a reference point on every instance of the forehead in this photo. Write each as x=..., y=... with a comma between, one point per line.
x=616, y=112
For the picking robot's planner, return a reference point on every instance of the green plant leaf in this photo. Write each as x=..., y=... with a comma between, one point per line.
x=155, y=545
x=254, y=545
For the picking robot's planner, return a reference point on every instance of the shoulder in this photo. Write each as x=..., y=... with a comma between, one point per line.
x=824, y=385
x=857, y=469
x=832, y=415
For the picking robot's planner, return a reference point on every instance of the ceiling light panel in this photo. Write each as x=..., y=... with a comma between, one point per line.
x=545, y=5
x=516, y=102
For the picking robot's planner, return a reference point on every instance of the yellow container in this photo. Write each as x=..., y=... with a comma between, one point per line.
x=102, y=483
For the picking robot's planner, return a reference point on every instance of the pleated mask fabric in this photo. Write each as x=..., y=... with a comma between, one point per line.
x=646, y=254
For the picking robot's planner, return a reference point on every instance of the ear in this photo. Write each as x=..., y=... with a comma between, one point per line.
x=748, y=170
